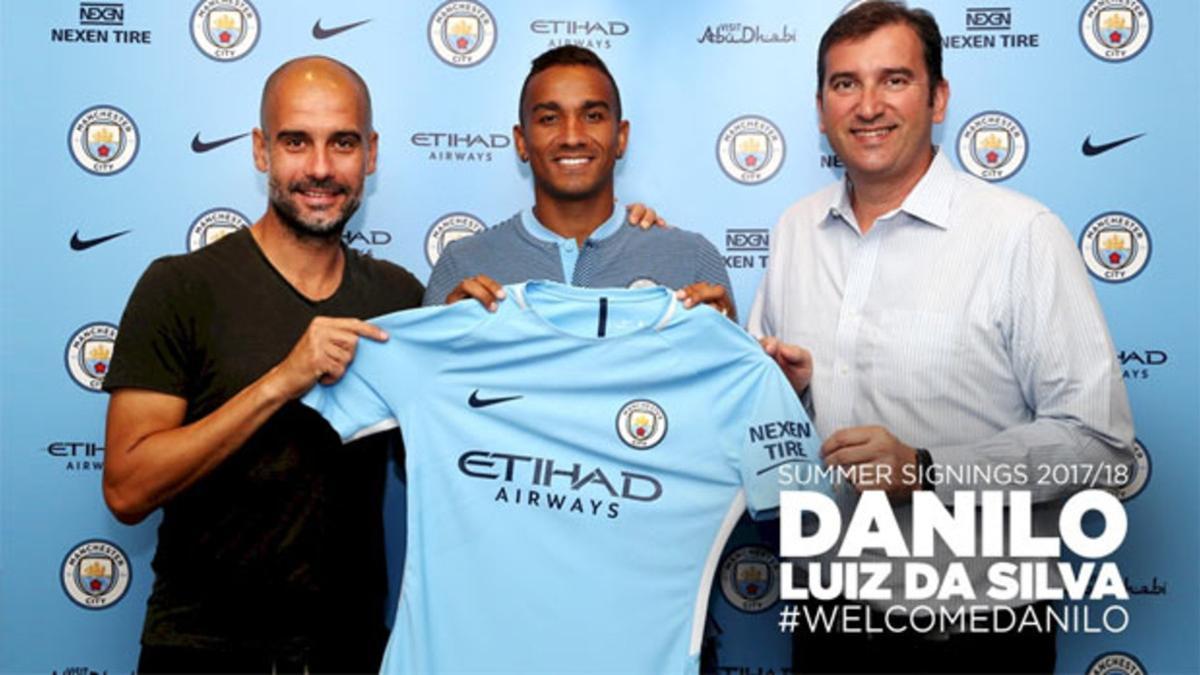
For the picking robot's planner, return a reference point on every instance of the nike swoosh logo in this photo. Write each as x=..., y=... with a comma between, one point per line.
x=475, y=402
x=200, y=146
x=1093, y=150
x=322, y=33
x=78, y=244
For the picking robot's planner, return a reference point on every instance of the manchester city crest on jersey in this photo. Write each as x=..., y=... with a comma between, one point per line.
x=1115, y=30
x=448, y=229
x=1115, y=247
x=462, y=34
x=225, y=30
x=1116, y=663
x=750, y=579
x=212, y=225
x=992, y=145
x=1138, y=474
x=89, y=352
x=103, y=140
x=642, y=424
x=750, y=149
x=95, y=574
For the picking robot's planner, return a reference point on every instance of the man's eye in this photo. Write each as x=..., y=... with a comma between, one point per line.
x=547, y=119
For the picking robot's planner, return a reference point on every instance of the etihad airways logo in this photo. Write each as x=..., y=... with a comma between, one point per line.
x=559, y=486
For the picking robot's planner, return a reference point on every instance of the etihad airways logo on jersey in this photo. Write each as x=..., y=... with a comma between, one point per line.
x=569, y=488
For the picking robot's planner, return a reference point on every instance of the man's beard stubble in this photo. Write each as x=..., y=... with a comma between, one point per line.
x=289, y=214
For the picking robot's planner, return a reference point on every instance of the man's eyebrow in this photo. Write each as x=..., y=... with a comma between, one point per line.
x=548, y=105
x=347, y=133
x=290, y=134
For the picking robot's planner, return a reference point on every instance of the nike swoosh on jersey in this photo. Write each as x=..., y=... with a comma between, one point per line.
x=475, y=402
x=322, y=33
x=1093, y=150
x=200, y=146
x=78, y=244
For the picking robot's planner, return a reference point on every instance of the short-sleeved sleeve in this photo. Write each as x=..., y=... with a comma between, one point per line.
x=352, y=406
x=780, y=447
x=154, y=347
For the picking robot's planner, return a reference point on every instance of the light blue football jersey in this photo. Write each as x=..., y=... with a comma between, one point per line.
x=575, y=463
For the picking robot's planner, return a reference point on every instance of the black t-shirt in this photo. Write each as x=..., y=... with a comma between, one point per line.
x=283, y=542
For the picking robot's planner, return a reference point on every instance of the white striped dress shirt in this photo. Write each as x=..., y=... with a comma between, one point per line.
x=964, y=322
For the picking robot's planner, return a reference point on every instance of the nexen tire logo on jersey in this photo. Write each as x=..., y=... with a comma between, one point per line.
x=540, y=482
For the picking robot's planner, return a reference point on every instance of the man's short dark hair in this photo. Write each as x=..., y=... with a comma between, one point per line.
x=869, y=17
x=568, y=55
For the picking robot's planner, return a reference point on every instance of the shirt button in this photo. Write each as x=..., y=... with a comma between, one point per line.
x=570, y=246
x=845, y=371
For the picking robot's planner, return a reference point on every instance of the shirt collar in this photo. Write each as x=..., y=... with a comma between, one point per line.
x=929, y=200
x=539, y=231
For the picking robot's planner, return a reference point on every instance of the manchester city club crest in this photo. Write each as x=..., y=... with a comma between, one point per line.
x=103, y=140
x=1116, y=663
x=462, y=34
x=992, y=145
x=448, y=229
x=750, y=149
x=750, y=579
x=225, y=30
x=1115, y=247
x=1138, y=476
x=95, y=574
x=88, y=354
x=641, y=424
x=213, y=224
x=1115, y=30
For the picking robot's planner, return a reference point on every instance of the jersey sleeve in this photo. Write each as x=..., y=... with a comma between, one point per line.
x=352, y=406
x=780, y=447
x=386, y=379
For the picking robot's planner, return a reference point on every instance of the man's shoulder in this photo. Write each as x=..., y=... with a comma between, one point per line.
x=988, y=197
x=485, y=244
x=380, y=272
x=812, y=207
x=672, y=237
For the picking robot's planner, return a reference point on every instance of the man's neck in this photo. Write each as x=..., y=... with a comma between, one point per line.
x=871, y=197
x=573, y=219
x=313, y=266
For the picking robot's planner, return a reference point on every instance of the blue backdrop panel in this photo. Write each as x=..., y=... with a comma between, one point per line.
x=130, y=119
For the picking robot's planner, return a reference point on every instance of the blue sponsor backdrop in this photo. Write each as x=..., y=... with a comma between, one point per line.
x=116, y=118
